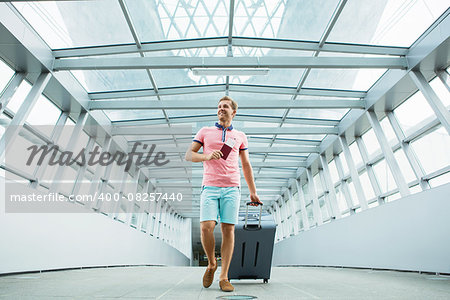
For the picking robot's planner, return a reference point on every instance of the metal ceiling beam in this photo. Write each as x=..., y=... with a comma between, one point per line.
x=296, y=149
x=249, y=131
x=219, y=88
x=207, y=104
x=170, y=175
x=281, y=164
x=255, y=139
x=213, y=118
x=279, y=62
x=236, y=42
x=199, y=183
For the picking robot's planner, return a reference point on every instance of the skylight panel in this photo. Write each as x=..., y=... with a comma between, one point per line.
x=65, y=24
x=390, y=23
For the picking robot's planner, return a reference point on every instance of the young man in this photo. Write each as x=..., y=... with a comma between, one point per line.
x=220, y=194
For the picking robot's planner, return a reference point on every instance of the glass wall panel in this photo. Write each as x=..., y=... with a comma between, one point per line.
x=6, y=74
x=433, y=150
x=340, y=198
x=388, y=131
x=16, y=155
x=353, y=195
x=366, y=185
x=441, y=91
x=323, y=208
x=384, y=176
x=397, y=23
x=440, y=180
x=344, y=163
x=333, y=171
x=318, y=184
x=356, y=155
x=19, y=96
x=404, y=165
x=371, y=142
x=412, y=112
x=309, y=211
x=66, y=133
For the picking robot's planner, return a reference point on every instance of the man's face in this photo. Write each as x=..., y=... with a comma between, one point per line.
x=224, y=111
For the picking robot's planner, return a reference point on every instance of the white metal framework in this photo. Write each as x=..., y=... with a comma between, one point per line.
x=327, y=129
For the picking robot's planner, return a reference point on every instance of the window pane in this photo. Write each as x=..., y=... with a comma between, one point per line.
x=432, y=150
x=384, y=176
x=44, y=112
x=367, y=186
x=356, y=154
x=353, y=194
x=318, y=184
x=323, y=208
x=443, y=179
x=441, y=90
x=309, y=211
x=340, y=198
x=405, y=167
x=6, y=74
x=392, y=197
x=371, y=142
x=20, y=94
x=388, y=131
x=413, y=111
x=66, y=134
x=333, y=171
x=344, y=163
x=18, y=153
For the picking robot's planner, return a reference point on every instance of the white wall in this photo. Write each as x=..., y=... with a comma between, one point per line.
x=32, y=241
x=412, y=233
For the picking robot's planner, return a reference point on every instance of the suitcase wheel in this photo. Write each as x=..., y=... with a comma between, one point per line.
x=265, y=280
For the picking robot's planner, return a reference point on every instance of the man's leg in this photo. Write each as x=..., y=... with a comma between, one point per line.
x=208, y=242
x=227, y=248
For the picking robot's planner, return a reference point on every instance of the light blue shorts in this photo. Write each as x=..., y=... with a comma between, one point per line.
x=220, y=202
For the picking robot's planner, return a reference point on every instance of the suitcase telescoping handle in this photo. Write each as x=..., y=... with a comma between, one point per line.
x=246, y=213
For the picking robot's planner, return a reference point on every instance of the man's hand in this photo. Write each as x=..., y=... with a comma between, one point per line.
x=214, y=155
x=255, y=199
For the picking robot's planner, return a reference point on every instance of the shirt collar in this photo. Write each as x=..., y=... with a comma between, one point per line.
x=221, y=127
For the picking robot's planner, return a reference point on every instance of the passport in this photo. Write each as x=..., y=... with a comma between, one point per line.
x=227, y=147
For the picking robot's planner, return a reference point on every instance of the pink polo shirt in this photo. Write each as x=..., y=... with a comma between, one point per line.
x=221, y=172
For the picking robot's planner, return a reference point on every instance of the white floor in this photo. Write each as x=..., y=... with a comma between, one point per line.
x=185, y=283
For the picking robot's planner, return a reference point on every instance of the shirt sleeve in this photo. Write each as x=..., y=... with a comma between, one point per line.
x=200, y=137
x=244, y=145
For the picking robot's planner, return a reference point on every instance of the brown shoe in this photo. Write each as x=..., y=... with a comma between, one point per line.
x=208, y=277
x=226, y=286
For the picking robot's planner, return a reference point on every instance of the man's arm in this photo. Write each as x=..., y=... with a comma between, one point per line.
x=193, y=155
x=248, y=175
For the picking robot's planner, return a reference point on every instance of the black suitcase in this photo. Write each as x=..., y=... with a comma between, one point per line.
x=253, y=246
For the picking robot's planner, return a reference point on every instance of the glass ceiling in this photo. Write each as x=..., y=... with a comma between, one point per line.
x=78, y=24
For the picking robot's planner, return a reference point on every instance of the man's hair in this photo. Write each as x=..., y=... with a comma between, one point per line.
x=234, y=105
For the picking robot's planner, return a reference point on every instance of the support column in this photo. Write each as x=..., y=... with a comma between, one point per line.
x=329, y=184
x=353, y=173
x=326, y=196
x=39, y=171
x=433, y=99
x=76, y=133
x=22, y=114
x=344, y=184
x=99, y=171
x=445, y=78
x=301, y=198
x=293, y=212
x=10, y=90
x=409, y=152
x=369, y=168
x=388, y=154
x=315, y=201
